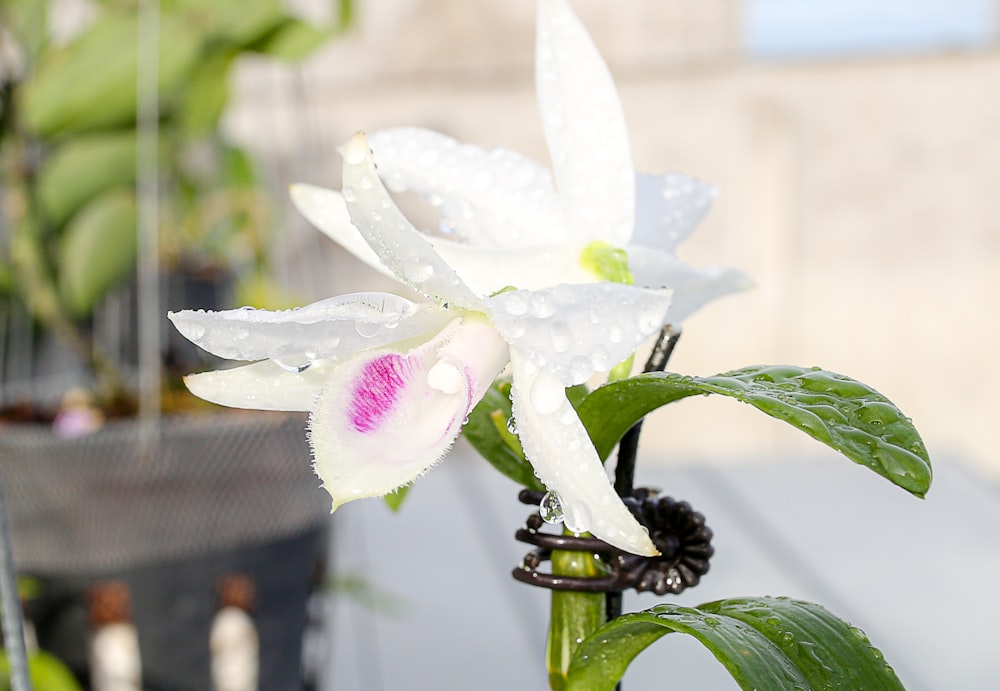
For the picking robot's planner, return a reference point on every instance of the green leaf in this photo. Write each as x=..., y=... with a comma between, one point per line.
x=47, y=673
x=486, y=431
x=82, y=168
x=203, y=100
x=841, y=412
x=91, y=82
x=764, y=643
x=294, y=40
x=97, y=250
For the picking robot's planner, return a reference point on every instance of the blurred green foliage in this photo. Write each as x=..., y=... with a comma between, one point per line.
x=69, y=144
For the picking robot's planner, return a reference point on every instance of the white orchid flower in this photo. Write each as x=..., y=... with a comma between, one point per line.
x=388, y=383
x=500, y=208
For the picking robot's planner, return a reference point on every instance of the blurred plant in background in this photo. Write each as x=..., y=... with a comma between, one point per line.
x=68, y=163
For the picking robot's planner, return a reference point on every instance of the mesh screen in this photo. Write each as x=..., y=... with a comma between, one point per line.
x=132, y=493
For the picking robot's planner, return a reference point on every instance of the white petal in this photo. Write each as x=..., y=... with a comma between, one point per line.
x=327, y=210
x=669, y=208
x=497, y=198
x=386, y=417
x=692, y=288
x=334, y=326
x=571, y=332
x=584, y=127
x=262, y=386
x=558, y=447
x=489, y=269
x=398, y=244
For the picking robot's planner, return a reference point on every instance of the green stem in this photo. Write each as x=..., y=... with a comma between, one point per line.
x=574, y=615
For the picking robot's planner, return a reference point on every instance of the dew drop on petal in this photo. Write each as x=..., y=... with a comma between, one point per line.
x=418, y=270
x=562, y=337
x=349, y=194
x=196, y=332
x=366, y=183
x=547, y=396
x=578, y=520
x=580, y=369
x=354, y=152
x=515, y=304
x=542, y=307
x=515, y=329
x=367, y=329
x=512, y=425
x=601, y=359
x=294, y=363
x=615, y=334
x=550, y=508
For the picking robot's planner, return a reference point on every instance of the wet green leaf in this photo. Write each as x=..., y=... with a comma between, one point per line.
x=487, y=431
x=203, y=100
x=841, y=412
x=764, y=643
x=97, y=250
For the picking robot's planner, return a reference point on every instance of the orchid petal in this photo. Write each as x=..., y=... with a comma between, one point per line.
x=496, y=197
x=572, y=332
x=524, y=267
x=334, y=326
x=386, y=417
x=264, y=385
x=399, y=245
x=327, y=210
x=668, y=208
x=559, y=449
x=692, y=287
x=584, y=127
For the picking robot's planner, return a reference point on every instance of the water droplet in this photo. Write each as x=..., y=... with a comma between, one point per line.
x=542, y=307
x=562, y=337
x=547, y=396
x=578, y=520
x=788, y=637
x=580, y=369
x=294, y=363
x=515, y=304
x=418, y=269
x=601, y=359
x=515, y=329
x=512, y=425
x=366, y=183
x=615, y=334
x=367, y=329
x=349, y=194
x=551, y=509
x=354, y=152
x=196, y=332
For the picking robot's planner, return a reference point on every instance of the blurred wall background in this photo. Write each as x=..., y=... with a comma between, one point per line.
x=858, y=185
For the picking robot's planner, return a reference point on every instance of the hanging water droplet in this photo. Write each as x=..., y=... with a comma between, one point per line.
x=578, y=520
x=196, y=332
x=512, y=425
x=418, y=269
x=294, y=363
x=561, y=337
x=550, y=508
x=547, y=396
x=354, y=152
x=580, y=369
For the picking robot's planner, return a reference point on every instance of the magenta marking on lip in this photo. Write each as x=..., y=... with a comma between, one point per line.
x=376, y=391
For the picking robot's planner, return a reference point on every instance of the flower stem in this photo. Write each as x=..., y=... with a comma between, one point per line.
x=574, y=616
